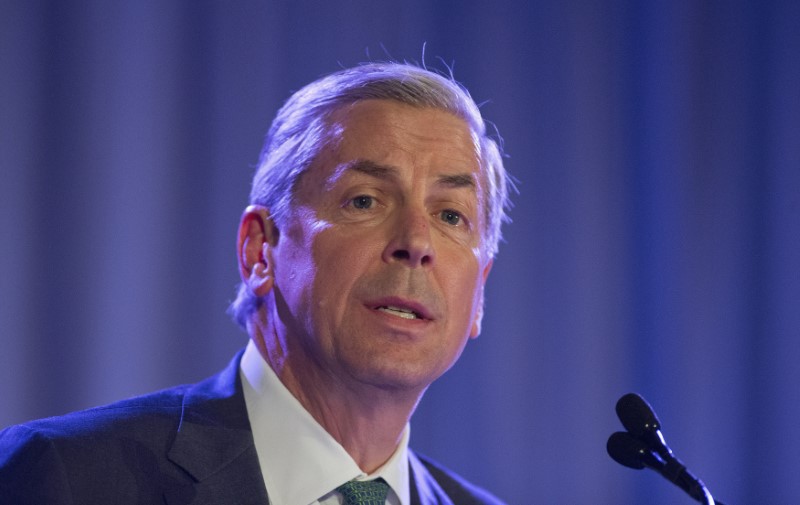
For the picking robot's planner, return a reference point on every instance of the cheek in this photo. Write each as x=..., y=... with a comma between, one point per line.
x=295, y=270
x=342, y=251
x=340, y=260
x=471, y=301
x=293, y=281
x=463, y=291
x=475, y=282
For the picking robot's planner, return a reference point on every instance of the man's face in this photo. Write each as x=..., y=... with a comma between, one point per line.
x=378, y=271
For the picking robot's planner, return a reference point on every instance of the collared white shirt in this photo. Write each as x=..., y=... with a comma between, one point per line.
x=300, y=462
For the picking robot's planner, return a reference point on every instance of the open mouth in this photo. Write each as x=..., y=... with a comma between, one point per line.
x=399, y=312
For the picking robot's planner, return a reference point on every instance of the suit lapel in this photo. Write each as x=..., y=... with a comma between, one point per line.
x=424, y=488
x=214, y=445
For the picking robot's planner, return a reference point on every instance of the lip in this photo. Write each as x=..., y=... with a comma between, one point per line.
x=423, y=313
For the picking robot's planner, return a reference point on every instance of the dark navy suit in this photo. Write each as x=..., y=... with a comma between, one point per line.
x=187, y=445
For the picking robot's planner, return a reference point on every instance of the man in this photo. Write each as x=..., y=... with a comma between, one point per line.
x=374, y=219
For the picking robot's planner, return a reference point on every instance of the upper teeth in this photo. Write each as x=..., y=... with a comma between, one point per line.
x=397, y=311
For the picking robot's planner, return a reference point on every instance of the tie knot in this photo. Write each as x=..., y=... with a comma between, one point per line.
x=364, y=492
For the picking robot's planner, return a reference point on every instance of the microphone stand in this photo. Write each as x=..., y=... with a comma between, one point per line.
x=644, y=445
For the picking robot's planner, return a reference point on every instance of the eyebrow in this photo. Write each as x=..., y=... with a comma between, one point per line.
x=387, y=172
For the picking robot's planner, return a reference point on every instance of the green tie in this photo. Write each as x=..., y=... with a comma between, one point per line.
x=364, y=492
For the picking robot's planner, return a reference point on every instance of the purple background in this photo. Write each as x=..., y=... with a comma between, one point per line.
x=655, y=245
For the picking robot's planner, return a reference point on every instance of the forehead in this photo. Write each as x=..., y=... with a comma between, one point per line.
x=387, y=132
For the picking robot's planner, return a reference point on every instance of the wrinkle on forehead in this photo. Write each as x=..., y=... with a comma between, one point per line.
x=397, y=119
x=360, y=165
x=393, y=173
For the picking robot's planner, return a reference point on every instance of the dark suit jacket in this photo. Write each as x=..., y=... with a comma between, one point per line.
x=189, y=444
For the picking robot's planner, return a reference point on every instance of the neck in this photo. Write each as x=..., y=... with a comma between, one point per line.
x=367, y=420
x=369, y=424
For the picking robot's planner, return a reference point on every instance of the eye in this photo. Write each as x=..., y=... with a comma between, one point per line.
x=362, y=202
x=450, y=217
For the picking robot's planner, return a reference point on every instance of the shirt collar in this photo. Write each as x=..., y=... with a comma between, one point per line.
x=300, y=461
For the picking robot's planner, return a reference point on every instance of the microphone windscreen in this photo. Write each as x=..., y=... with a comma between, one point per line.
x=625, y=450
x=636, y=415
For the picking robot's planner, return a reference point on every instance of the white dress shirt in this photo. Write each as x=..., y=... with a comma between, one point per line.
x=300, y=462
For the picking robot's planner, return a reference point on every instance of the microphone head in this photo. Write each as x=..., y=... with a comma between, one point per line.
x=636, y=415
x=626, y=450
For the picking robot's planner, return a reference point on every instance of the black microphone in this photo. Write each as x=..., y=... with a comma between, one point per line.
x=643, y=445
x=630, y=452
x=640, y=420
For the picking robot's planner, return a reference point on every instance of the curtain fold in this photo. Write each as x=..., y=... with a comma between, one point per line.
x=655, y=243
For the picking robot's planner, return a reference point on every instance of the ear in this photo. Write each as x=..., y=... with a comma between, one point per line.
x=478, y=317
x=257, y=236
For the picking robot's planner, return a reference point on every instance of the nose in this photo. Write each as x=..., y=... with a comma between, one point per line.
x=410, y=240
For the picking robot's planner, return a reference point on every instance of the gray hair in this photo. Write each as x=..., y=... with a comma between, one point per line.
x=300, y=131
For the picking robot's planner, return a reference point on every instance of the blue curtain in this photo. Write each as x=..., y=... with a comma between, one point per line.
x=655, y=243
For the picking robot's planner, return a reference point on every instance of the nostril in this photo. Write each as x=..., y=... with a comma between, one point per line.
x=401, y=254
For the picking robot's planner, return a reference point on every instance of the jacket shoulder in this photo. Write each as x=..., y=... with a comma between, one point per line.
x=41, y=460
x=122, y=452
x=105, y=420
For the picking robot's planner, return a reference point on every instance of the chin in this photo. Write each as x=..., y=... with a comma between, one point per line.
x=397, y=365
x=396, y=376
